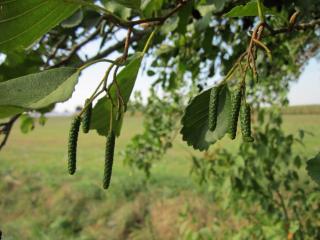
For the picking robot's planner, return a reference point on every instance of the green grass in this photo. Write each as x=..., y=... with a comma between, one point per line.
x=302, y=109
x=39, y=200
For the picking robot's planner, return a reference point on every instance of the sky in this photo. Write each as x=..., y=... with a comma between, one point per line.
x=306, y=90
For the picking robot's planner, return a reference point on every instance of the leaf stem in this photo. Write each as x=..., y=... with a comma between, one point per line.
x=146, y=47
x=106, y=76
x=111, y=118
x=260, y=11
x=265, y=48
x=96, y=92
x=234, y=67
x=97, y=61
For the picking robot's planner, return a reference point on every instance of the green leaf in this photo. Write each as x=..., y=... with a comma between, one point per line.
x=203, y=23
x=26, y=124
x=127, y=77
x=40, y=89
x=313, y=168
x=8, y=111
x=150, y=73
x=217, y=4
x=23, y=22
x=184, y=15
x=74, y=20
x=101, y=112
x=18, y=64
x=100, y=119
x=42, y=120
x=134, y=4
x=149, y=7
x=170, y=26
x=46, y=109
x=195, y=129
x=164, y=49
x=248, y=10
x=117, y=9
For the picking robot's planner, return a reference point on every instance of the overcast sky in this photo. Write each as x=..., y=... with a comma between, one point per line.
x=305, y=91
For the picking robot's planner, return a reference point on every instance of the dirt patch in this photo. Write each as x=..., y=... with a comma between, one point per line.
x=172, y=217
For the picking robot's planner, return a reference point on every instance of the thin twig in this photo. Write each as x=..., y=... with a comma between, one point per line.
x=127, y=44
x=285, y=211
x=138, y=35
x=118, y=92
x=301, y=230
x=119, y=22
x=128, y=24
x=265, y=48
x=301, y=26
x=96, y=93
x=159, y=20
x=76, y=48
x=55, y=49
x=6, y=129
x=251, y=49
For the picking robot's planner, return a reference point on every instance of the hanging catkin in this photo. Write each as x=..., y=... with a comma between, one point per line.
x=108, y=160
x=235, y=109
x=72, y=146
x=245, y=121
x=213, y=108
x=86, y=119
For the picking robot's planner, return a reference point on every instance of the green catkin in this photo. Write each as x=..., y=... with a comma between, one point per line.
x=235, y=109
x=72, y=146
x=213, y=108
x=86, y=119
x=245, y=121
x=108, y=159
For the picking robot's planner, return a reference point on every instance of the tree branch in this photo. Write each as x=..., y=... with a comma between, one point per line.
x=285, y=211
x=159, y=20
x=123, y=23
x=77, y=47
x=6, y=129
x=55, y=49
x=301, y=27
x=138, y=35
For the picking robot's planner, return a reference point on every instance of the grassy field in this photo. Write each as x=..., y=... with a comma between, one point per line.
x=39, y=200
x=302, y=109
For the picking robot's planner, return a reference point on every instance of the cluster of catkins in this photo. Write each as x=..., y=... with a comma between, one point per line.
x=73, y=140
x=237, y=109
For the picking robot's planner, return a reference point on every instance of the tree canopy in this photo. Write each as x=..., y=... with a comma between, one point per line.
x=213, y=62
x=261, y=45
